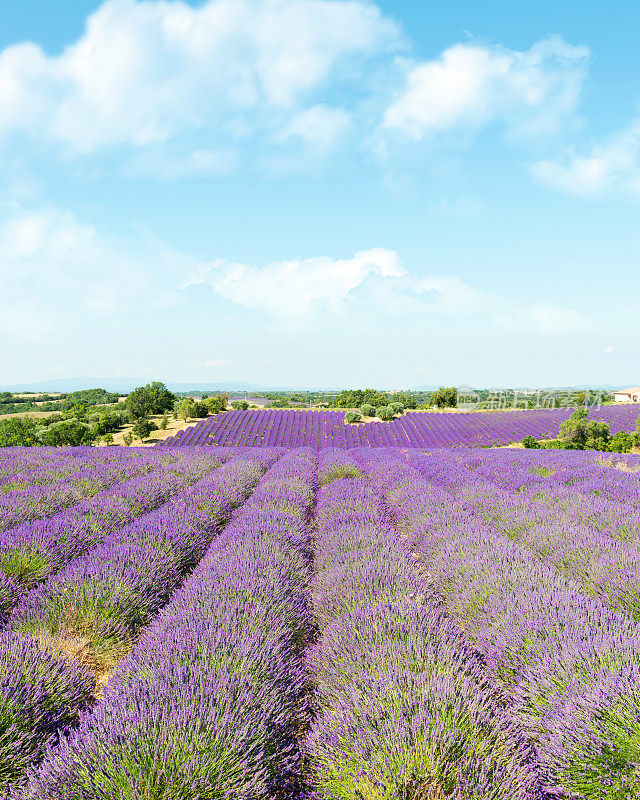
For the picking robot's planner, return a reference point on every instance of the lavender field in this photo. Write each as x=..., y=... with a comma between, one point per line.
x=289, y=428
x=320, y=624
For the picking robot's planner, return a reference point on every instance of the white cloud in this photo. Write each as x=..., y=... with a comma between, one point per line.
x=319, y=126
x=299, y=287
x=609, y=166
x=59, y=275
x=373, y=281
x=470, y=85
x=56, y=271
x=544, y=318
x=213, y=362
x=608, y=350
x=143, y=73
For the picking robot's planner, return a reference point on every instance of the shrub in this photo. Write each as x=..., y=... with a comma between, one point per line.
x=142, y=428
x=384, y=413
x=353, y=416
x=531, y=442
x=68, y=432
x=164, y=422
x=202, y=409
x=396, y=407
x=621, y=442
x=367, y=410
x=240, y=405
x=18, y=432
x=128, y=438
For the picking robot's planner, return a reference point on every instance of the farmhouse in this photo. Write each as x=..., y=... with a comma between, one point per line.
x=631, y=395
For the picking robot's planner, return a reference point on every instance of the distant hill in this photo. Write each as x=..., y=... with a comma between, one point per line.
x=126, y=385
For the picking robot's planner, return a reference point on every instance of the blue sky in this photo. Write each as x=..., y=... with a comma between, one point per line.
x=306, y=192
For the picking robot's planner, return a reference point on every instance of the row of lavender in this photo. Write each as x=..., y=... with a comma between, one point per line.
x=564, y=655
x=318, y=429
x=374, y=638
x=66, y=634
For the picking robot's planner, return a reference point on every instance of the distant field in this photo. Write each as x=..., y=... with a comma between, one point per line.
x=326, y=428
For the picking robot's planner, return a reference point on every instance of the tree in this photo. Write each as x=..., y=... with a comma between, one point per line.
x=142, y=427
x=531, y=442
x=407, y=399
x=445, y=397
x=164, y=422
x=354, y=398
x=128, y=438
x=598, y=435
x=396, y=407
x=108, y=438
x=573, y=431
x=18, y=432
x=367, y=410
x=69, y=432
x=202, y=409
x=353, y=416
x=186, y=409
x=240, y=405
x=216, y=404
x=154, y=398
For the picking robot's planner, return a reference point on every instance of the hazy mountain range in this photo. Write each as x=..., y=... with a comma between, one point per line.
x=124, y=385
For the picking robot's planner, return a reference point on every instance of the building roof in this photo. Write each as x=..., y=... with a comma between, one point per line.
x=632, y=390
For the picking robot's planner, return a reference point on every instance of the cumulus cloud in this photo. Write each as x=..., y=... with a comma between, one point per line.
x=296, y=288
x=303, y=290
x=469, y=85
x=143, y=73
x=614, y=165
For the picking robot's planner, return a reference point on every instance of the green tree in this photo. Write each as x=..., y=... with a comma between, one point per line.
x=216, y=404
x=128, y=438
x=154, y=398
x=18, y=432
x=69, y=432
x=384, y=413
x=367, y=410
x=107, y=438
x=531, y=442
x=240, y=405
x=573, y=431
x=142, y=427
x=164, y=422
x=355, y=398
x=598, y=435
x=396, y=407
x=186, y=409
x=352, y=416
x=445, y=397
